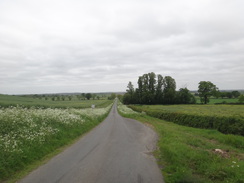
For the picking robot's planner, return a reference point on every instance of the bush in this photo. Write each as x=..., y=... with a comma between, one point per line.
x=224, y=124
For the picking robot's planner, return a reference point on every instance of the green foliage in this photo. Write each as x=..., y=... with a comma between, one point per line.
x=73, y=102
x=205, y=90
x=241, y=99
x=88, y=96
x=187, y=155
x=160, y=91
x=112, y=96
x=214, y=117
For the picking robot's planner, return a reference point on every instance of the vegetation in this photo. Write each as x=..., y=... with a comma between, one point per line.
x=50, y=102
x=205, y=90
x=227, y=119
x=160, y=91
x=194, y=155
x=27, y=135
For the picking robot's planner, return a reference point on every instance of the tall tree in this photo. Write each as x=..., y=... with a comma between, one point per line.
x=205, y=90
x=151, y=87
x=130, y=89
x=159, y=89
x=169, y=90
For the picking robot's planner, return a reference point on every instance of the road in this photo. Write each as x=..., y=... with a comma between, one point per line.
x=116, y=151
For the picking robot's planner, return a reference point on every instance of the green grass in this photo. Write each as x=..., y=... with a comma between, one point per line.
x=186, y=154
x=219, y=100
x=8, y=100
x=205, y=110
x=29, y=134
x=228, y=119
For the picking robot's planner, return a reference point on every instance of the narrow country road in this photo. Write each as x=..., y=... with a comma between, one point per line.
x=116, y=151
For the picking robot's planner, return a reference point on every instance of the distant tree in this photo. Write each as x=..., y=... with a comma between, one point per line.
x=130, y=89
x=185, y=97
x=236, y=94
x=70, y=98
x=88, y=96
x=222, y=94
x=229, y=94
x=63, y=98
x=112, y=96
x=94, y=96
x=217, y=94
x=241, y=98
x=205, y=90
x=130, y=94
x=98, y=97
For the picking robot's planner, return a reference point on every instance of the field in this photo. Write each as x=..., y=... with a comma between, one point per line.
x=219, y=100
x=205, y=110
x=193, y=155
x=227, y=119
x=27, y=101
x=29, y=133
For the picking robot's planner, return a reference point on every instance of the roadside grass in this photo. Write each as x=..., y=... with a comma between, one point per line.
x=191, y=155
x=29, y=135
x=9, y=100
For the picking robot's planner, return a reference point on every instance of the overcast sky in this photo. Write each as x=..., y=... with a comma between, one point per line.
x=52, y=46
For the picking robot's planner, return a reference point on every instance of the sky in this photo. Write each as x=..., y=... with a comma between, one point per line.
x=56, y=46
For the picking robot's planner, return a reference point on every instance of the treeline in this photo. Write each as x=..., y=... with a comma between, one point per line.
x=233, y=94
x=156, y=89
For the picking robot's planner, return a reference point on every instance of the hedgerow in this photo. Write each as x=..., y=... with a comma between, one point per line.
x=224, y=124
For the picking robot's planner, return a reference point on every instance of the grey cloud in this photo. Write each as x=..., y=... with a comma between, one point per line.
x=66, y=46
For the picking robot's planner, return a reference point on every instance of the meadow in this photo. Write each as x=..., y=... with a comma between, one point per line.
x=213, y=100
x=227, y=119
x=29, y=134
x=28, y=101
x=193, y=155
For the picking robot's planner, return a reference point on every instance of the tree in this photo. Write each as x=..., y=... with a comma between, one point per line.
x=130, y=89
x=169, y=92
x=241, y=98
x=185, y=97
x=88, y=96
x=235, y=94
x=159, y=90
x=112, y=96
x=94, y=96
x=129, y=97
x=205, y=90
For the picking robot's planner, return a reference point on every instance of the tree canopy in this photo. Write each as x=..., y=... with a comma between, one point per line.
x=205, y=90
x=156, y=89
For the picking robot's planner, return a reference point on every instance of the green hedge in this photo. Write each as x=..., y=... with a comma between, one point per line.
x=227, y=125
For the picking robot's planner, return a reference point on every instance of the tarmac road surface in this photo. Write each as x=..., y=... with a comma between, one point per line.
x=116, y=151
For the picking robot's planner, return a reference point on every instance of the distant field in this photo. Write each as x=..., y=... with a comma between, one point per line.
x=219, y=100
x=209, y=110
x=8, y=100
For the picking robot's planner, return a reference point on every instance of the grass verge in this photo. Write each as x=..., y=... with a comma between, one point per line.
x=191, y=155
x=21, y=154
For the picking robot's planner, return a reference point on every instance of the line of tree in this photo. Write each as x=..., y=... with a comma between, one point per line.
x=156, y=89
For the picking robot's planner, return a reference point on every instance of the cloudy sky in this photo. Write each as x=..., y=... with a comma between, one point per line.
x=50, y=46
